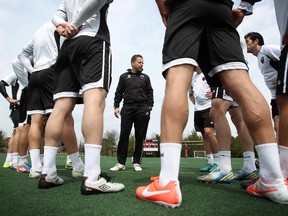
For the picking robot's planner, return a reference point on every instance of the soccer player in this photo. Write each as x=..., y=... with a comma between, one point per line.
x=200, y=94
x=204, y=33
x=84, y=63
x=44, y=49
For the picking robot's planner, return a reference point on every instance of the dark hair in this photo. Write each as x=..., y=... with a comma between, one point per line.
x=134, y=57
x=255, y=35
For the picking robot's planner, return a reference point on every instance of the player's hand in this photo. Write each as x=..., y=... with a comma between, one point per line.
x=164, y=9
x=67, y=30
x=238, y=16
x=13, y=101
x=209, y=94
x=117, y=112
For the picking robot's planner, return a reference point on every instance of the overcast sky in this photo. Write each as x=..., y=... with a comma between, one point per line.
x=135, y=27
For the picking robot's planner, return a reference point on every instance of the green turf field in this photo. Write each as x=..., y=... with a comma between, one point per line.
x=20, y=195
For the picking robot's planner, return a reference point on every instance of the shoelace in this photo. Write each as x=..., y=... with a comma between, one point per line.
x=105, y=176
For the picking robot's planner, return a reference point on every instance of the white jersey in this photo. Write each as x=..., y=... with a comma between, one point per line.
x=269, y=73
x=42, y=47
x=10, y=79
x=85, y=13
x=199, y=88
x=20, y=72
x=281, y=9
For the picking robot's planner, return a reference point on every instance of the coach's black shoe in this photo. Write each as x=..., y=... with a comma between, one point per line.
x=46, y=182
x=103, y=185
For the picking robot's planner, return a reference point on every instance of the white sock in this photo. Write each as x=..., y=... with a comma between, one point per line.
x=249, y=161
x=283, y=155
x=76, y=161
x=15, y=159
x=170, y=162
x=22, y=160
x=92, y=161
x=8, y=158
x=210, y=158
x=216, y=158
x=225, y=161
x=35, y=159
x=49, y=165
x=269, y=162
x=68, y=160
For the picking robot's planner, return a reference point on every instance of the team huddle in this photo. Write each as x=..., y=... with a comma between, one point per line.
x=68, y=62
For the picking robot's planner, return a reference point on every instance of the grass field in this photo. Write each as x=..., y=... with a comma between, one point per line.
x=20, y=195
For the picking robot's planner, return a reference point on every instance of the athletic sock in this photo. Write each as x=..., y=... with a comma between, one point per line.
x=170, y=162
x=283, y=155
x=22, y=160
x=210, y=158
x=76, y=161
x=225, y=161
x=35, y=159
x=92, y=161
x=269, y=162
x=216, y=158
x=49, y=165
x=15, y=159
x=249, y=162
x=8, y=158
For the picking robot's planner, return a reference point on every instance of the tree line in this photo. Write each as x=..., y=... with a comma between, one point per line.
x=110, y=141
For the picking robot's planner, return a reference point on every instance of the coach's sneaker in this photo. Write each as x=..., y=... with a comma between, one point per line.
x=24, y=168
x=118, y=167
x=77, y=173
x=35, y=173
x=168, y=196
x=206, y=168
x=46, y=182
x=103, y=185
x=137, y=167
x=218, y=177
x=242, y=175
x=276, y=191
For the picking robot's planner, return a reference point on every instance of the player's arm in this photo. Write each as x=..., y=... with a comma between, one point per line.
x=245, y=8
x=24, y=56
x=3, y=91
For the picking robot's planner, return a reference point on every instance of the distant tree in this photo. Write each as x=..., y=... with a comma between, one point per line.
x=236, y=149
x=3, y=138
x=110, y=140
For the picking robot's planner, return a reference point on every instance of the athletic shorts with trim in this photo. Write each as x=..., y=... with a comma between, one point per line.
x=282, y=84
x=221, y=93
x=203, y=32
x=14, y=115
x=202, y=120
x=83, y=63
x=40, y=91
x=274, y=108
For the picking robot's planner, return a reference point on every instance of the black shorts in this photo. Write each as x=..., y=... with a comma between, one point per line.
x=221, y=93
x=274, y=108
x=14, y=115
x=203, y=32
x=202, y=120
x=40, y=91
x=83, y=63
x=23, y=105
x=282, y=86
